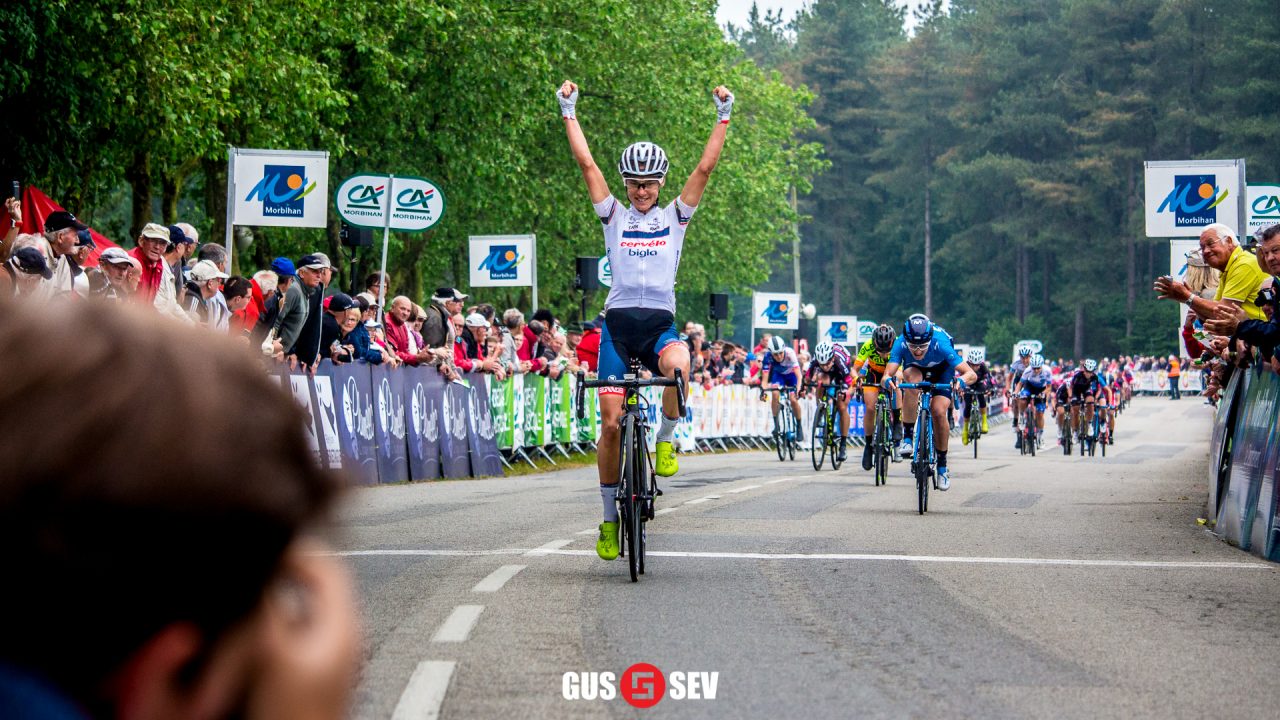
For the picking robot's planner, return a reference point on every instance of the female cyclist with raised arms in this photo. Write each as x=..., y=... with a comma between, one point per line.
x=643, y=244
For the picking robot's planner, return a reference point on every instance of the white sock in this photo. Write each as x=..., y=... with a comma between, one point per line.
x=609, y=494
x=666, y=427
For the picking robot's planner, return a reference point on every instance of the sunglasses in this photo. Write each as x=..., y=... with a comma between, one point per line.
x=639, y=184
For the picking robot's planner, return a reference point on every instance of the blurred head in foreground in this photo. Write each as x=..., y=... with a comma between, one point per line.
x=158, y=499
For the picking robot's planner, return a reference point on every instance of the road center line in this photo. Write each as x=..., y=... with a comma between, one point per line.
x=498, y=578
x=457, y=626
x=741, y=489
x=664, y=511
x=701, y=500
x=423, y=696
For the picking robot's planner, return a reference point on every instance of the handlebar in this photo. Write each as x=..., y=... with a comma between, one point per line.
x=924, y=386
x=630, y=382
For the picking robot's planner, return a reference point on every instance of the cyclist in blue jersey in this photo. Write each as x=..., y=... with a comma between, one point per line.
x=1085, y=386
x=834, y=363
x=643, y=243
x=925, y=353
x=1031, y=387
x=781, y=368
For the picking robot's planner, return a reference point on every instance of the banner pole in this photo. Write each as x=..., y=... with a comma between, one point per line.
x=386, y=240
x=534, y=244
x=231, y=200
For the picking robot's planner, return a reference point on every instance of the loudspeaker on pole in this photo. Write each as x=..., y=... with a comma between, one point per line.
x=586, y=277
x=719, y=306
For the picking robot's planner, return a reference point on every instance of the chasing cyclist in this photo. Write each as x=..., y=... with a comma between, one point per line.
x=643, y=244
x=1031, y=388
x=872, y=358
x=834, y=363
x=1085, y=387
x=1018, y=367
x=925, y=353
x=781, y=368
x=1061, y=404
x=976, y=394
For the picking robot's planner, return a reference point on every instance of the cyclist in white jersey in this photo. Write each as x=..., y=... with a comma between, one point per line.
x=643, y=243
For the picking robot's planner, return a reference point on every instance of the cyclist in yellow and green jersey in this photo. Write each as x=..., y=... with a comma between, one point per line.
x=869, y=366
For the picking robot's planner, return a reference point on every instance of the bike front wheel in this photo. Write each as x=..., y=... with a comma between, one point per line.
x=818, y=440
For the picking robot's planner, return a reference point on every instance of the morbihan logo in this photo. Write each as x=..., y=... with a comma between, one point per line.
x=1193, y=199
x=777, y=312
x=281, y=190
x=838, y=332
x=501, y=262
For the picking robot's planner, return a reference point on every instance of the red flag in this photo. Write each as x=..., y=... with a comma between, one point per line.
x=36, y=206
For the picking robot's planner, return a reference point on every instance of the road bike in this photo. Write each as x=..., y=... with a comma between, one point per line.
x=883, y=443
x=638, y=484
x=784, y=437
x=1030, y=435
x=1069, y=429
x=826, y=437
x=1084, y=440
x=924, y=461
x=1101, y=430
x=973, y=405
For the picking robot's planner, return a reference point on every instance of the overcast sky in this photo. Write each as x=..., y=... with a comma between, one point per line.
x=735, y=11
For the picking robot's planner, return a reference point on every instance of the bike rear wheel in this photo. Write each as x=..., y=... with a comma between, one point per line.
x=834, y=439
x=780, y=440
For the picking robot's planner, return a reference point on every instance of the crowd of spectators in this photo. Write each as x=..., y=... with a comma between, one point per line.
x=1231, y=300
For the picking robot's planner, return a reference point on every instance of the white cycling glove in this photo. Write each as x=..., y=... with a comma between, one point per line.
x=568, y=105
x=723, y=107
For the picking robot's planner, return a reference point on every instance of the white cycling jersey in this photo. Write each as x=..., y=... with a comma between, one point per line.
x=644, y=253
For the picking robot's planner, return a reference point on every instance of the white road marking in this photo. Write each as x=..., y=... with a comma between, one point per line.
x=544, y=549
x=588, y=531
x=457, y=626
x=1172, y=564
x=778, y=480
x=428, y=553
x=742, y=489
x=423, y=696
x=498, y=578
x=701, y=500
x=664, y=511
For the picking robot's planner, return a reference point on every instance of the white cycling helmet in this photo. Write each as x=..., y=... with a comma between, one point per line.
x=974, y=356
x=1091, y=365
x=1037, y=361
x=1024, y=351
x=643, y=160
x=776, y=345
x=824, y=352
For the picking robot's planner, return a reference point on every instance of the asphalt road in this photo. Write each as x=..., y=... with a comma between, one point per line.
x=1035, y=587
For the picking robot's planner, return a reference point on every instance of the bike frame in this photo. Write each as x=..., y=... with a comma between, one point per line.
x=924, y=459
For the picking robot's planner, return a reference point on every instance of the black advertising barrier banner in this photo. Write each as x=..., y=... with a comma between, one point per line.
x=389, y=428
x=455, y=452
x=352, y=390
x=325, y=407
x=425, y=389
x=485, y=460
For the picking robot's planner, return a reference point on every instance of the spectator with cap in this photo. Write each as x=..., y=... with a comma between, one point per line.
x=151, y=245
x=272, y=302
x=181, y=246
x=61, y=233
x=469, y=349
x=79, y=262
x=437, y=331
x=295, y=310
x=335, y=311
x=588, y=350
x=303, y=341
x=24, y=274
x=108, y=281
x=206, y=281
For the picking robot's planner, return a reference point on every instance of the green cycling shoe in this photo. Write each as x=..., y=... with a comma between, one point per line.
x=607, y=544
x=665, y=464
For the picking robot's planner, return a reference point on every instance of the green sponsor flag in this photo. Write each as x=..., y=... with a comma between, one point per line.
x=535, y=397
x=561, y=407
x=500, y=395
x=587, y=425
